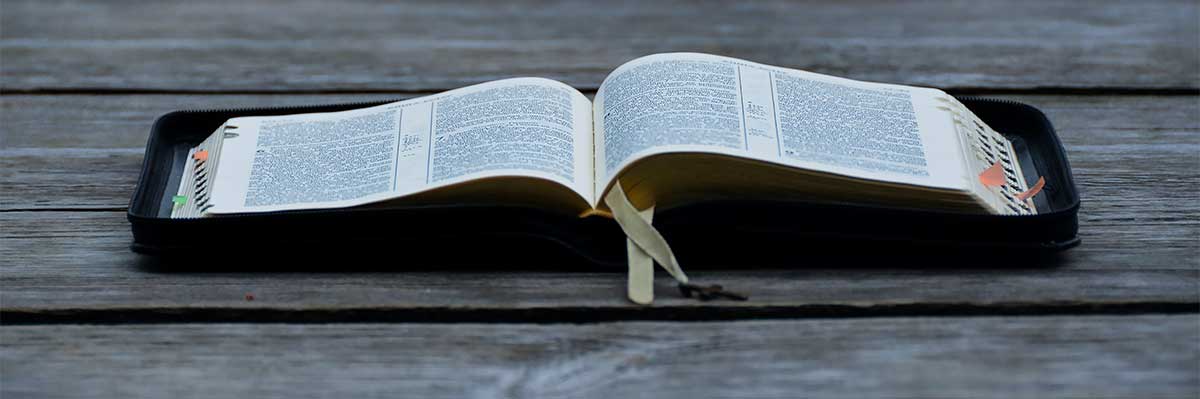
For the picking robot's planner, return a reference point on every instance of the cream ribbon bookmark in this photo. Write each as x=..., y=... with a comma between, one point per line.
x=641, y=267
x=644, y=246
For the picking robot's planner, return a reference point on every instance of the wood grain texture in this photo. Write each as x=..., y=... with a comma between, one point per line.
x=1116, y=317
x=267, y=46
x=986, y=357
x=81, y=263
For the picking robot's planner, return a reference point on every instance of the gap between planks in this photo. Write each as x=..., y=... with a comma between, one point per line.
x=975, y=357
x=589, y=89
x=575, y=314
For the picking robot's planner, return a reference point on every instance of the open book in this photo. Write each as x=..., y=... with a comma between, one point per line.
x=671, y=128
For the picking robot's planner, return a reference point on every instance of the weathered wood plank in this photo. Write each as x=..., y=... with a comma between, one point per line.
x=984, y=357
x=81, y=261
x=314, y=45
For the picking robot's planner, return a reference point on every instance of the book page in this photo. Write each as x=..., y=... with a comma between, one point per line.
x=526, y=127
x=688, y=102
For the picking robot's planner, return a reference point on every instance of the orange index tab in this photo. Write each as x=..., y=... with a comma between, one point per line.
x=1037, y=188
x=993, y=176
x=201, y=155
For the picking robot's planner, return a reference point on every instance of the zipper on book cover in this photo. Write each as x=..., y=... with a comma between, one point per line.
x=1044, y=121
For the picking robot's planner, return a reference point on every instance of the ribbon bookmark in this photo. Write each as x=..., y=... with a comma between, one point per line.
x=642, y=233
x=1032, y=191
x=641, y=267
x=649, y=243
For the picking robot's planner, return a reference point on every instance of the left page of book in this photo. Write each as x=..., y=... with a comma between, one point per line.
x=521, y=127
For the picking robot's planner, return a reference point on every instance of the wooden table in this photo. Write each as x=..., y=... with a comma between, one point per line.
x=1118, y=316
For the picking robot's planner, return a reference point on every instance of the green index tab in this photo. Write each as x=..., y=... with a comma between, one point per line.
x=179, y=200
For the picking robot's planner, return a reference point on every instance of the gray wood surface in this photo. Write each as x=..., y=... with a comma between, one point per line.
x=80, y=266
x=80, y=315
x=1146, y=356
x=320, y=46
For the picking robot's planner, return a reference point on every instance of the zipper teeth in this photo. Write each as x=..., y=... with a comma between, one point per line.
x=1045, y=120
x=287, y=107
x=989, y=100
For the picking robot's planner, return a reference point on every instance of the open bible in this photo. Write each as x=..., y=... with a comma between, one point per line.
x=664, y=130
x=671, y=128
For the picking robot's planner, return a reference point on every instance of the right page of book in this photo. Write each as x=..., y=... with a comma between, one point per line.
x=690, y=102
